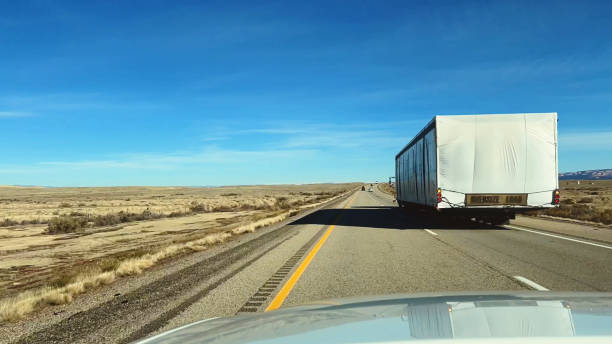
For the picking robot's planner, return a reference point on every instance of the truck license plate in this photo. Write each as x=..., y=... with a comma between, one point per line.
x=496, y=199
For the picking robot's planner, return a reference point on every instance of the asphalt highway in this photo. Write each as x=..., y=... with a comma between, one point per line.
x=376, y=248
x=358, y=246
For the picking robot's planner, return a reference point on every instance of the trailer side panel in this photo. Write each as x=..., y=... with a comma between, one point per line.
x=416, y=170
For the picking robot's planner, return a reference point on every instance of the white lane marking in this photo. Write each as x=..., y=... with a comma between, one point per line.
x=559, y=237
x=431, y=232
x=530, y=283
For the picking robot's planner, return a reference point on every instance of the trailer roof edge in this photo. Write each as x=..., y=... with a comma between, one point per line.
x=421, y=133
x=432, y=123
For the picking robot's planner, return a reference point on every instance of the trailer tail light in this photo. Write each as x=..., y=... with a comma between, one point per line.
x=556, y=197
x=439, y=195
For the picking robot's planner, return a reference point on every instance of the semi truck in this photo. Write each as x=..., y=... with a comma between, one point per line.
x=483, y=167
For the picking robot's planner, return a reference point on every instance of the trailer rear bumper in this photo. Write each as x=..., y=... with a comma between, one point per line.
x=529, y=200
x=492, y=214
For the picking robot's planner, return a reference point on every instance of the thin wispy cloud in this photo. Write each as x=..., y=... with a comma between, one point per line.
x=366, y=132
x=13, y=114
x=75, y=101
x=346, y=139
x=208, y=156
x=507, y=73
x=586, y=141
x=215, y=138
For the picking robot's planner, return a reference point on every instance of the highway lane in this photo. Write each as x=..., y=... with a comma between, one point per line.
x=362, y=245
x=366, y=245
x=377, y=248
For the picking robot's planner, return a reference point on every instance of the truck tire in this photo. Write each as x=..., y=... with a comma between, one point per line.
x=500, y=220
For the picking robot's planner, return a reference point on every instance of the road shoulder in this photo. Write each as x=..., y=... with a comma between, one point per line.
x=565, y=228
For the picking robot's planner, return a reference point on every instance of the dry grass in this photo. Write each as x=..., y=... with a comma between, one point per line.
x=251, y=227
x=112, y=220
x=388, y=189
x=135, y=266
x=587, y=200
x=107, y=268
x=42, y=204
x=18, y=307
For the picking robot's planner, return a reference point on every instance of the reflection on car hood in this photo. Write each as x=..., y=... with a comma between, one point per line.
x=412, y=317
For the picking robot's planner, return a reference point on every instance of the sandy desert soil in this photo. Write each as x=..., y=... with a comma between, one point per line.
x=586, y=200
x=31, y=257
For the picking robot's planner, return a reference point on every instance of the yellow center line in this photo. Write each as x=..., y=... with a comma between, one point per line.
x=288, y=286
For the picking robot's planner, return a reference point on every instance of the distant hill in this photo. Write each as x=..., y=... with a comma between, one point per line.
x=587, y=175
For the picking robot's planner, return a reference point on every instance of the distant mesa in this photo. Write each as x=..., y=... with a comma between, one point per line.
x=587, y=175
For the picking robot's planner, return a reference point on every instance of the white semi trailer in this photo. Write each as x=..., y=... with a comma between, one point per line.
x=488, y=167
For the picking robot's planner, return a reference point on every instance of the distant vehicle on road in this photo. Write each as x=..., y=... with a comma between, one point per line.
x=487, y=167
x=363, y=188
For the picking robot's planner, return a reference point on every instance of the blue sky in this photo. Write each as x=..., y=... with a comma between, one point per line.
x=221, y=92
